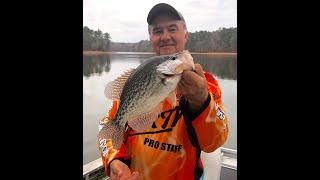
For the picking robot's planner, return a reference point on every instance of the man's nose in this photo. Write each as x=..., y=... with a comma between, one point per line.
x=165, y=36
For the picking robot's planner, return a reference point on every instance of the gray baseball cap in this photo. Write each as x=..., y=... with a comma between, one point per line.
x=163, y=8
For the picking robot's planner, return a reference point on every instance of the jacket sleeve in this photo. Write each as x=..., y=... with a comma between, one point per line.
x=107, y=152
x=208, y=128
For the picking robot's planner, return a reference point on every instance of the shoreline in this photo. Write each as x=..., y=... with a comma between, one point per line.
x=90, y=53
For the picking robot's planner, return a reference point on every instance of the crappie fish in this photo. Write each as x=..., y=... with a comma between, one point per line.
x=140, y=93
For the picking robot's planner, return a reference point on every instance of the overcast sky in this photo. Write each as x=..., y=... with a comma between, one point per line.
x=126, y=20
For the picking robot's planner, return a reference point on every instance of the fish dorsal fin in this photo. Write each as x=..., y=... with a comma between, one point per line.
x=114, y=88
x=144, y=121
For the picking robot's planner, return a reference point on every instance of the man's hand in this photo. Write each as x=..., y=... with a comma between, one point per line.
x=193, y=86
x=120, y=171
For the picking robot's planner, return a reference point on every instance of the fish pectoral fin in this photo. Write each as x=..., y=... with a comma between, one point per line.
x=144, y=121
x=114, y=88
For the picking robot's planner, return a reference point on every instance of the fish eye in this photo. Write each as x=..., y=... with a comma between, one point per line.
x=172, y=57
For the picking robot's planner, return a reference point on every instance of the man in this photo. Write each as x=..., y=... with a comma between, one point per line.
x=171, y=148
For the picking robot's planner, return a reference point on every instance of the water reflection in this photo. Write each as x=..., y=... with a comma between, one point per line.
x=96, y=65
x=224, y=67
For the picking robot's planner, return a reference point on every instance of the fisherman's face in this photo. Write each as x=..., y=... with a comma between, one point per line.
x=167, y=35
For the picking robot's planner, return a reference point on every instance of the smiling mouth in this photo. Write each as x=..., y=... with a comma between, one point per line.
x=167, y=45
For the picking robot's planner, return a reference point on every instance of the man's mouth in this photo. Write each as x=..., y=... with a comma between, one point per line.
x=165, y=45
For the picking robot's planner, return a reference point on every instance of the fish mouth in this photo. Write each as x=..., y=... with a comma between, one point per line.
x=168, y=75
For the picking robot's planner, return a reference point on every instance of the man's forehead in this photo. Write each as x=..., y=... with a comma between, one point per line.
x=166, y=22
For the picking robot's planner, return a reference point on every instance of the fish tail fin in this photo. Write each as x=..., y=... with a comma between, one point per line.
x=115, y=132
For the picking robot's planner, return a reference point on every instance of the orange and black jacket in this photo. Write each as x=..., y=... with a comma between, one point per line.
x=171, y=148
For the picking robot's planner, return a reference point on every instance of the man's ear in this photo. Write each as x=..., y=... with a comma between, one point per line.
x=149, y=33
x=187, y=35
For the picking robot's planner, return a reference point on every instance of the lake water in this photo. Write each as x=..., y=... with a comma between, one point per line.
x=99, y=70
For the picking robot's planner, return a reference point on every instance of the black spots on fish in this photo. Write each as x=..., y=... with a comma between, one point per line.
x=120, y=113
